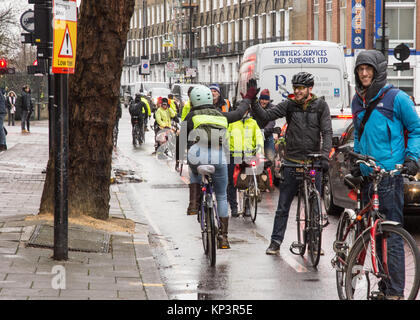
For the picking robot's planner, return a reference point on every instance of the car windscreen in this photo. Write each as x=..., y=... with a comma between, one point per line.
x=339, y=125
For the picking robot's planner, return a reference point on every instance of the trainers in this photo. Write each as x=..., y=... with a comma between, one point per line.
x=274, y=248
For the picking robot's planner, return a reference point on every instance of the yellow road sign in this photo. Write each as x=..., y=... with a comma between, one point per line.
x=65, y=36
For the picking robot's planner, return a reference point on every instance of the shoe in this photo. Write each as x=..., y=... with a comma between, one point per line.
x=194, y=199
x=274, y=248
x=177, y=166
x=25, y=131
x=3, y=147
x=223, y=242
x=234, y=212
x=394, y=297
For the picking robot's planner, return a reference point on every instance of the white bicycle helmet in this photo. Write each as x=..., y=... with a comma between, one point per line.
x=200, y=96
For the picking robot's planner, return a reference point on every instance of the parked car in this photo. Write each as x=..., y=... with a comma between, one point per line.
x=336, y=194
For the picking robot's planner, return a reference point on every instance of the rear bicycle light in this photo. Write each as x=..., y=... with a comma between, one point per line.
x=312, y=173
x=253, y=163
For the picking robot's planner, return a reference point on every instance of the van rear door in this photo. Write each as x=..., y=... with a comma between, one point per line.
x=326, y=62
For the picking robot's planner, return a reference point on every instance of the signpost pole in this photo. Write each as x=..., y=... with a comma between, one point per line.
x=61, y=168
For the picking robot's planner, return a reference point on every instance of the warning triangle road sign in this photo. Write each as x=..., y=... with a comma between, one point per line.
x=66, y=50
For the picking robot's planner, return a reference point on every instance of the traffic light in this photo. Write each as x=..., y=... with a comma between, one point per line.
x=40, y=32
x=4, y=69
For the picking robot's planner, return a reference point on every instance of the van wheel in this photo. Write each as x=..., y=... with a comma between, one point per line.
x=327, y=197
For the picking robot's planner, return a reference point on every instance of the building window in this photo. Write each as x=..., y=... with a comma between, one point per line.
x=328, y=9
x=343, y=20
x=404, y=80
x=316, y=19
x=400, y=15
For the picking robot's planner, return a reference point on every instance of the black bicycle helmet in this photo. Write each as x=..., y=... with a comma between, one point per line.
x=303, y=79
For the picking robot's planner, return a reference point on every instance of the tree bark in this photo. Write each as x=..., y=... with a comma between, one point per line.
x=93, y=97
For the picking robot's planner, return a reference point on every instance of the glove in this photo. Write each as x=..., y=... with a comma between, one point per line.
x=355, y=171
x=410, y=167
x=252, y=89
x=325, y=164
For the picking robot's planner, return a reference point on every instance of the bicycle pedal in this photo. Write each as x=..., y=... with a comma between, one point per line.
x=340, y=247
x=296, y=246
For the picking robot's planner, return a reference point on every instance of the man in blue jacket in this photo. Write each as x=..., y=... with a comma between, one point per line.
x=383, y=138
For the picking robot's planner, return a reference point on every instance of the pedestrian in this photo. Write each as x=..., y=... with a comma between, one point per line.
x=26, y=109
x=11, y=108
x=3, y=145
x=309, y=131
x=219, y=101
x=381, y=113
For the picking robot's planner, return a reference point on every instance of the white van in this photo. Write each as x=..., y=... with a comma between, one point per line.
x=274, y=64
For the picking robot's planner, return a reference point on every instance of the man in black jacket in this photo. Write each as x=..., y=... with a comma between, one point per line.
x=26, y=108
x=309, y=123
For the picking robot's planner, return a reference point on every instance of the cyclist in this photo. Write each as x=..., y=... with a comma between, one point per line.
x=187, y=106
x=380, y=136
x=219, y=102
x=245, y=141
x=137, y=109
x=204, y=116
x=309, y=131
x=147, y=116
x=164, y=114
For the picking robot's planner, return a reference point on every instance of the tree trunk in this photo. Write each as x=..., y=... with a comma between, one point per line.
x=94, y=92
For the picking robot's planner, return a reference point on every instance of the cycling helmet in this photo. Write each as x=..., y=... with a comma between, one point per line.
x=200, y=96
x=303, y=79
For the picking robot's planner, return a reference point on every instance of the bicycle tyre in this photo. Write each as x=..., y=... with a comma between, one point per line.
x=203, y=224
x=315, y=229
x=360, y=253
x=341, y=257
x=211, y=237
x=301, y=223
x=253, y=201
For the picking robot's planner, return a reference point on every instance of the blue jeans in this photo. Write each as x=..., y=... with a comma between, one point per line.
x=2, y=134
x=391, y=204
x=217, y=158
x=288, y=189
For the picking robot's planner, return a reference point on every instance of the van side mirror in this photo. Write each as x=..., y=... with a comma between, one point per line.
x=335, y=141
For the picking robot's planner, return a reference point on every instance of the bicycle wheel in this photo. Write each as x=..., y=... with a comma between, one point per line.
x=203, y=224
x=253, y=201
x=301, y=224
x=315, y=229
x=211, y=237
x=361, y=281
x=344, y=241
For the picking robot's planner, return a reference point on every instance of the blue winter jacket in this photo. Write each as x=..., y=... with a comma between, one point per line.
x=383, y=136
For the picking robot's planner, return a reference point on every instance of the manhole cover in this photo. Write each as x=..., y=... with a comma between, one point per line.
x=78, y=239
x=169, y=186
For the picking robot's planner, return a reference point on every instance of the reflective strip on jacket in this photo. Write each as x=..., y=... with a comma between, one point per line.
x=245, y=138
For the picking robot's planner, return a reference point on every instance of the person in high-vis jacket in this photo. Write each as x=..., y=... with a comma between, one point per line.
x=245, y=141
x=204, y=117
x=149, y=112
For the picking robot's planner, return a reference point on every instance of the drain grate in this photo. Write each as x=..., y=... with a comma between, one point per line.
x=169, y=186
x=78, y=239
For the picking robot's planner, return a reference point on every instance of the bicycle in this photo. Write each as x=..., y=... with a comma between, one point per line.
x=137, y=130
x=248, y=198
x=208, y=216
x=309, y=217
x=367, y=270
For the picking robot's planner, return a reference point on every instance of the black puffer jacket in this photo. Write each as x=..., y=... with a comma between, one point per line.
x=306, y=128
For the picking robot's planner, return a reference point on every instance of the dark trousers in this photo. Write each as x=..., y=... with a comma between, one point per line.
x=288, y=189
x=231, y=190
x=10, y=118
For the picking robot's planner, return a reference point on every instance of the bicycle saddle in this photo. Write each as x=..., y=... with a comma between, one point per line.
x=352, y=182
x=206, y=169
